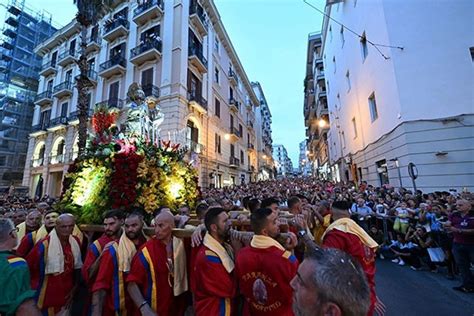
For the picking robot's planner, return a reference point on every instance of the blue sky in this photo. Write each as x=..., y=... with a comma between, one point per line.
x=270, y=37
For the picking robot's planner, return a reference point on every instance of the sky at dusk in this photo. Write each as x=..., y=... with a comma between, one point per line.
x=270, y=37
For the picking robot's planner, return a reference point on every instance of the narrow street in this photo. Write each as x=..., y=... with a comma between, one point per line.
x=407, y=292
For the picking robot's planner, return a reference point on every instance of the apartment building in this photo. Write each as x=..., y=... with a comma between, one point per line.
x=180, y=52
x=263, y=117
x=23, y=29
x=407, y=100
x=315, y=110
x=304, y=164
x=283, y=164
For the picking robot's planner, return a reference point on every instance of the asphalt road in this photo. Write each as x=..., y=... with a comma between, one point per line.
x=407, y=292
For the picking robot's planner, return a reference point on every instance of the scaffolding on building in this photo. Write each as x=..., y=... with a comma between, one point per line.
x=23, y=30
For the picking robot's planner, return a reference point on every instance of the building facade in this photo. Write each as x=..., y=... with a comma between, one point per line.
x=180, y=52
x=263, y=132
x=315, y=110
x=283, y=164
x=406, y=101
x=19, y=65
x=304, y=164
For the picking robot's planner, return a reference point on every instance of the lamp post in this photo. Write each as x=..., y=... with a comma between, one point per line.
x=397, y=164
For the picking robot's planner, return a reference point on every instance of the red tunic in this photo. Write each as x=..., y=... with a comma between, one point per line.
x=150, y=272
x=110, y=279
x=26, y=244
x=264, y=277
x=93, y=252
x=215, y=287
x=51, y=290
x=351, y=244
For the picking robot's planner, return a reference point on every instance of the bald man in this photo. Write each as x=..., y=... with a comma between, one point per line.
x=31, y=224
x=157, y=282
x=55, y=264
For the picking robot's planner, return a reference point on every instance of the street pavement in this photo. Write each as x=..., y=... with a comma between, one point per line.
x=407, y=292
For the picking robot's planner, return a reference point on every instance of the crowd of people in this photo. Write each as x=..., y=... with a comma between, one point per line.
x=282, y=247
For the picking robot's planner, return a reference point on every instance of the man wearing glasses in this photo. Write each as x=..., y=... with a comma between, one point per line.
x=16, y=296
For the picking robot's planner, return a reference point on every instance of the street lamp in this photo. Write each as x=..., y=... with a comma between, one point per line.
x=322, y=123
x=226, y=136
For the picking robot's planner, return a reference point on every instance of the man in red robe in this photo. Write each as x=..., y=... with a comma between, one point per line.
x=157, y=281
x=28, y=242
x=55, y=264
x=113, y=221
x=216, y=285
x=346, y=235
x=264, y=269
x=109, y=293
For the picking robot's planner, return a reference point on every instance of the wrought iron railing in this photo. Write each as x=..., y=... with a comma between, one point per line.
x=195, y=50
x=114, y=61
x=148, y=45
x=115, y=24
x=66, y=85
x=198, y=99
x=147, y=5
x=44, y=95
x=62, y=120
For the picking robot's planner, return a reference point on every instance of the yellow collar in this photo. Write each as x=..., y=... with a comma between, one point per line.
x=264, y=242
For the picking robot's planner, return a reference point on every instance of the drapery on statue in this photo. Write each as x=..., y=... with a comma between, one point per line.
x=143, y=115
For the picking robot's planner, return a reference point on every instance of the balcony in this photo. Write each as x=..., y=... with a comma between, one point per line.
x=251, y=147
x=39, y=129
x=115, y=66
x=115, y=29
x=150, y=10
x=197, y=18
x=37, y=162
x=48, y=68
x=57, y=123
x=318, y=61
x=9, y=32
x=63, y=89
x=196, y=58
x=234, y=134
x=194, y=147
x=234, y=162
x=233, y=77
x=44, y=98
x=234, y=105
x=112, y=103
x=197, y=102
x=250, y=124
x=151, y=91
x=12, y=21
x=94, y=43
x=91, y=77
x=322, y=109
x=148, y=51
x=67, y=57
x=58, y=159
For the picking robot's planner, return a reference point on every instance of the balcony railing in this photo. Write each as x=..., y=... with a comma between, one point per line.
x=66, y=85
x=233, y=76
x=148, y=45
x=91, y=75
x=57, y=159
x=40, y=127
x=147, y=5
x=198, y=99
x=114, y=61
x=151, y=91
x=194, y=146
x=250, y=146
x=62, y=120
x=67, y=53
x=115, y=24
x=234, y=161
x=37, y=162
x=47, y=64
x=195, y=50
x=235, y=132
x=112, y=103
x=44, y=95
x=197, y=9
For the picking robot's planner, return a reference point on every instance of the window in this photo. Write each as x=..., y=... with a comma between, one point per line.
x=348, y=80
x=64, y=107
x=354, y=126
x=217, y=144
x=216, y=44
x=216, y=75
x=327, y=86
x=334, y=63
x=330, y=33
x=363, y=46
x=3, y=160
x=217, y=107
x=241, y=132
x=343, y=136
x=382, y=171
x=342, y=36
x=373, y=108
x=241, y=157
x=472, y=53
x=114, y=94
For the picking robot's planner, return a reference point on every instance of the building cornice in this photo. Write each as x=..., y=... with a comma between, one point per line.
x=61, y=36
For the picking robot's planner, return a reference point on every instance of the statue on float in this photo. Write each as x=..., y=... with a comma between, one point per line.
x=142, y=115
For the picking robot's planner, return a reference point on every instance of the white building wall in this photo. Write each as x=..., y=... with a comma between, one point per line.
x=416, y=90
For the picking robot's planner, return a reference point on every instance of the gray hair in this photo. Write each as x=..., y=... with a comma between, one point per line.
x=339, y=279
x=6, y=227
